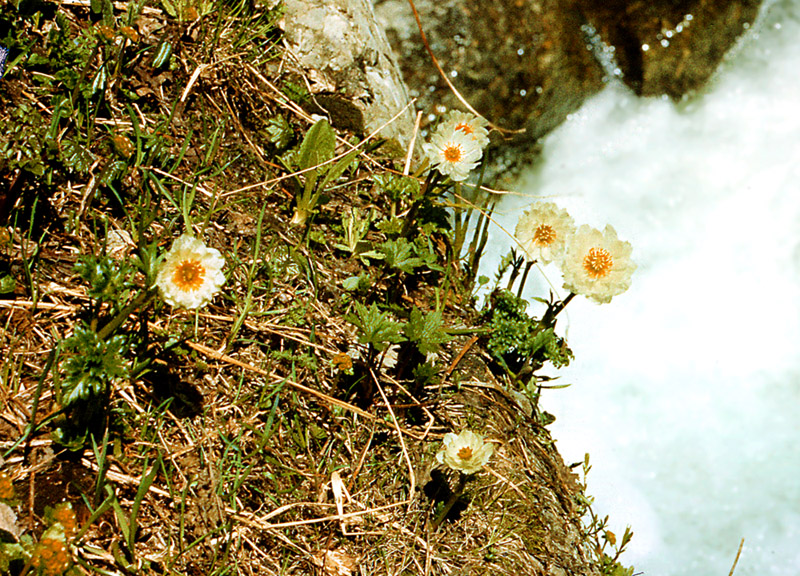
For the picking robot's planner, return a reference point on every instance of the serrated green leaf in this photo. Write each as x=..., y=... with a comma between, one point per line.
x=398, y=187
x=278, y=131
x=399, y=254
x=375, y=328
x=426, y=331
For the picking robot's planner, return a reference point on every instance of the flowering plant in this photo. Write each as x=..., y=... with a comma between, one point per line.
x=466, y=452
x=456, y=147
x=469, y=124
x=542, y=232
x=597, y=264
x=191, y=273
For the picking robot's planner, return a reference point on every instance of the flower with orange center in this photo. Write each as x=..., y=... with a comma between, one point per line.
x=542, y=232
x=469, y=124
x=190, y=274
x=466, y=452
x=453, y=153
x=597, y=264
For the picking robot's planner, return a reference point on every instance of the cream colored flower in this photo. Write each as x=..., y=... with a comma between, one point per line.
x=542, y=232
x=597, y=264
x=191, y=273
x=466, y=452
x=453, y=153
x=467, y=123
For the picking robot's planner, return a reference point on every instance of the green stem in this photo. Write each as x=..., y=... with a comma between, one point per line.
x=142, y=299
x=549, y=318
x=524, y=278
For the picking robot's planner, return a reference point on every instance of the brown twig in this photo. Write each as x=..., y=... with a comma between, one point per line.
x=736, y=560
x=459, y=357
x=443, y=74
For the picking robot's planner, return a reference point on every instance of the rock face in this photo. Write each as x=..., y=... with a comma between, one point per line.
x=353, y=76
x=529, y=63
x=521, y=64
x=668, y=47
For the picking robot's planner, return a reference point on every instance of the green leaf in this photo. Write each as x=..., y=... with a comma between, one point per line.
x=339, y=168
x=375, y=328
x=398, y=187
x=351, y=284
x=76, y=157
x=91, y=364
x=399, y=254
x=7, y=284
x=426, y=331
x=318, y=145
x=278, y=131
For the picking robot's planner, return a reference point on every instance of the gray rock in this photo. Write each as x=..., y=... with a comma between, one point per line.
x=350, y=66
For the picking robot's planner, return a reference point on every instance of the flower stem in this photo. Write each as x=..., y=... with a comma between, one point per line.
x=549, y=318
x=524, y=278
x=143, y=298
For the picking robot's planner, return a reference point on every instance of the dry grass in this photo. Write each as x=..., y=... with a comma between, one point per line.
x=243, y=449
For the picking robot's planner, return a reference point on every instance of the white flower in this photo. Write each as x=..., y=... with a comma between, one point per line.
x=191, y=273
x=467, y=123
x=453, y=153
x=598, y=265
x=466, y=452
x=542, y=232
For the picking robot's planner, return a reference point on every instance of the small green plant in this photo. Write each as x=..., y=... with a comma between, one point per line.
x=91, y=365
x=315, y=159
x=376, y=329
x=596, y=530
x=355, y=226
x=518, y=341
x=109, y=281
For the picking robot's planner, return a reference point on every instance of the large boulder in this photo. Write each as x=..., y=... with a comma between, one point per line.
x=668, y=47
x=521, y=64
x=350, y=67
x=527, y=64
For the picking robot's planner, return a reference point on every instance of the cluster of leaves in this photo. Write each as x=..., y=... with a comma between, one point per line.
x=521, y=344
x=377, y=329
x=90, y=365
x=518, y=339
x=108, y=280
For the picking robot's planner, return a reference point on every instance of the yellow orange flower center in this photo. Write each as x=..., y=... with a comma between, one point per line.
x=464, y=453
x=465, y=128
x=453, y=153
x=189, y=275
x=598, y=263
x=544, y=235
